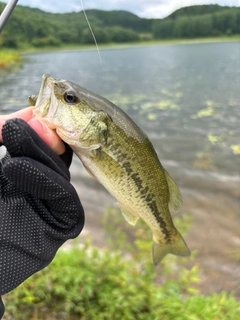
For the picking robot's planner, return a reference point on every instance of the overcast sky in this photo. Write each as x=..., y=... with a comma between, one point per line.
x=143, y=8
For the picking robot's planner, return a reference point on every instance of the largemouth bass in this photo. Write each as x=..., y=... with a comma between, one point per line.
x=118, y=154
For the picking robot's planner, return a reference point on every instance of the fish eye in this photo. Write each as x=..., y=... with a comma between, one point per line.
x=70, y=97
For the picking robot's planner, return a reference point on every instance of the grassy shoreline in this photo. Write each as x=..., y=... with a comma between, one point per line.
x=9, y=57
x=132, y=44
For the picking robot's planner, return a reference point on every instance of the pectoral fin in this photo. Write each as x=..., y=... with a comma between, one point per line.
x=130, y=217
x=175, y=195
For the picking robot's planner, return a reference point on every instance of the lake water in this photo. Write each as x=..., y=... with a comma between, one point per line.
x=187, y=99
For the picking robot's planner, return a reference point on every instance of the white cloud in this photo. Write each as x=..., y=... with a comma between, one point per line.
x=143, y=8
x=161, y=9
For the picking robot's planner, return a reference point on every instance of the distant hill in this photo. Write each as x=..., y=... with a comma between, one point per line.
x=196, y=10
x=42, y=29
x=198, y=21
x=120, y=18
x=47, y=29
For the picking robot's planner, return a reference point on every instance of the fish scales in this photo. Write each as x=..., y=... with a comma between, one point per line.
x=122, y=170
x=118, y=154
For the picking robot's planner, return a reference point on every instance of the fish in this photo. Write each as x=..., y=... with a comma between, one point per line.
x=118, y=154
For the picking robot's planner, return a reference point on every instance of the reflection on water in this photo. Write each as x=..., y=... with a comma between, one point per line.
x=186, y=98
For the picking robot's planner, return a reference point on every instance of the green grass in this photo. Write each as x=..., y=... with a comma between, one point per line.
x=31, y=49
x=9, y=57
x=118, y=282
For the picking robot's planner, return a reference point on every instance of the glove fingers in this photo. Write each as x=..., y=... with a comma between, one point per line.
x=67, y=155
x=22, y=141
x=35, y=178
x=45, y=184
x=1, y=308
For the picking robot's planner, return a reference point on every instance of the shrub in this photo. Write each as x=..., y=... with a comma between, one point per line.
x=48, y=41
x=118, y=282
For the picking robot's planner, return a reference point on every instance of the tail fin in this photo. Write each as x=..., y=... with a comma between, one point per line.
x=177, y=246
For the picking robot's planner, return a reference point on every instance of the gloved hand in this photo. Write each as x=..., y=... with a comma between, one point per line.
x=39, y=208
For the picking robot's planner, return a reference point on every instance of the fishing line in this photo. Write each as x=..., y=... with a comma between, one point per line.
x=91, y=30
x=7, y=12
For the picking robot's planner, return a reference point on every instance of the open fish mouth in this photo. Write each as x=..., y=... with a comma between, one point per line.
x=46, y=107
x=46, y=103
x=46, y=89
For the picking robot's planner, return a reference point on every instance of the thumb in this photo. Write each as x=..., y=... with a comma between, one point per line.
x=24, y=114
x=48, y=135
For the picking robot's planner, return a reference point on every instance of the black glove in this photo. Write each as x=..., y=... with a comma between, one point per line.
x=39, y=208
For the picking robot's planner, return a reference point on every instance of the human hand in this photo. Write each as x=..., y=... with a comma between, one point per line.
x=49, y=136
x=39, y=208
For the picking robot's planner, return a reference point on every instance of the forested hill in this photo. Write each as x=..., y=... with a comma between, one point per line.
x=198, y=21
x=33, y=27
x=197, y=10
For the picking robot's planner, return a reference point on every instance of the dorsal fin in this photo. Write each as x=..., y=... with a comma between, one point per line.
x=175, y=200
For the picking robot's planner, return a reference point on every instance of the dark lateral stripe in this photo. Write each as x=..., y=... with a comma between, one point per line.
x=127, y=166
x=160, y=220
x=148, y=197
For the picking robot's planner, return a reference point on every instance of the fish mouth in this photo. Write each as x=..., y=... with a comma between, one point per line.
x=46, y=89
x=46, y=103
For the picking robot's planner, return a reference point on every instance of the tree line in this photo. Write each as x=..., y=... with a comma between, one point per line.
x=34, y=27
x=198, y=21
